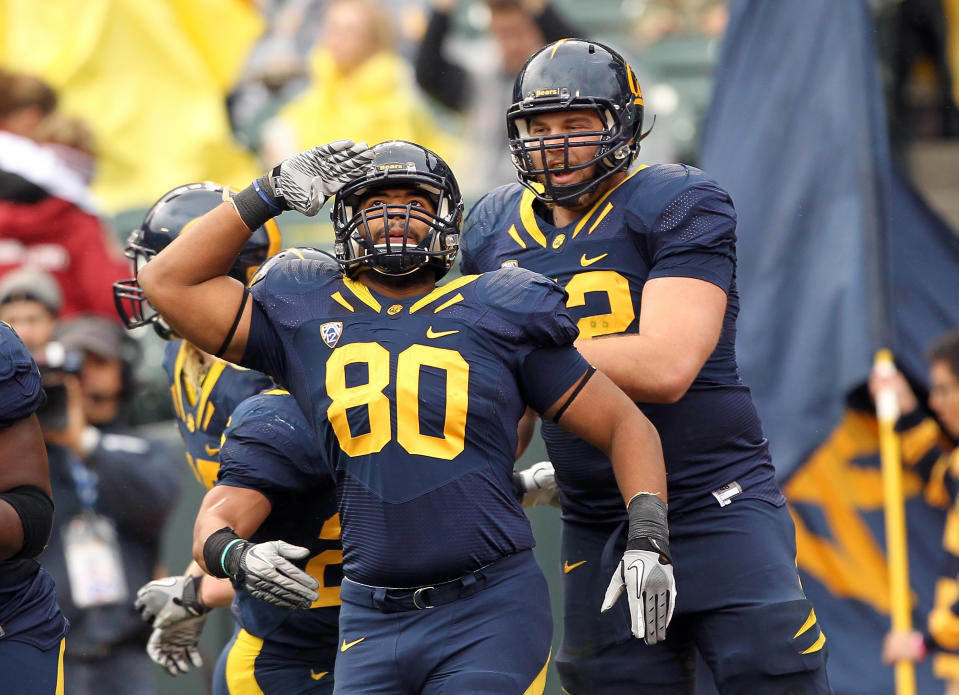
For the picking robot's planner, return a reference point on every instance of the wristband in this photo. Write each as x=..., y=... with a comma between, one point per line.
x=255, y=205
x=216, y=550
x=647, y=524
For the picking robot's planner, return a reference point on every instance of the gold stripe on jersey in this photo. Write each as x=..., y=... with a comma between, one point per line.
x=528, y=218
x=515, y=235
x=209, y=415
x=455, y=300
x=362, y=292
x=443, y=291
x=276, y=392
x=917, y=441
x=606, y=210
x=338, y=298
x=585, y=218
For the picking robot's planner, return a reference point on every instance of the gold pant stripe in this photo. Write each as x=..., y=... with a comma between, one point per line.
x=240, y=662
x=539, y=683
x=63, y=645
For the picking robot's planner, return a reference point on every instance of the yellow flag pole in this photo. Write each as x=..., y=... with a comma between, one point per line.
x=887, y=411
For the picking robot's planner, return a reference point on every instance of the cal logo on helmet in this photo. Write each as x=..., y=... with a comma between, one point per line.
x=331, y=332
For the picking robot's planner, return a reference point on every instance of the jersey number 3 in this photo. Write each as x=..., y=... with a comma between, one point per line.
x=371, y=395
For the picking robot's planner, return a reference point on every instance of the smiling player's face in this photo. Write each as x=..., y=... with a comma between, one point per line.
x=553, y=127
x=396, y=229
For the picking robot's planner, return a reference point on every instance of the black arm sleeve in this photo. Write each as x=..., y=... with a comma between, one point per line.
x=441, y=79
x=553, y=26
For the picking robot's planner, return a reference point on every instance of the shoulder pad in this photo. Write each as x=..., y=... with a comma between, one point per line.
x=660, y=185
x=287, y=275
x=481, y=221
x=20, y=391
x=530, y=301
x=274, y=418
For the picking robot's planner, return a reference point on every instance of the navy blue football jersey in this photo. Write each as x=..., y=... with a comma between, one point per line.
x=661, y=221
x=417, y=402
x=202, y=410
x=28, y=603
x=269, y=447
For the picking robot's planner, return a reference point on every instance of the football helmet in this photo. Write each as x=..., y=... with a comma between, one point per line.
x=399, y=164
x=168, y=217
x=570, y=75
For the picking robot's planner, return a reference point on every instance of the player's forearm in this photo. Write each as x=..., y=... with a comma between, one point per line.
x=648, y=370
x=240, y=509
x=637, y=456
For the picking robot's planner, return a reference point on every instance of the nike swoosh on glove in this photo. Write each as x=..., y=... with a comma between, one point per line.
x=306, y=180
x=166, y=601
x=265, y=570
x=650, y=590
x=536, y=485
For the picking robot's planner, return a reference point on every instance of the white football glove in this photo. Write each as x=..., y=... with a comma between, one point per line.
x=650, y=589
x=536, y=485
x=175, y=648
x=305, y=181
x=265, y=570
x=166, y=601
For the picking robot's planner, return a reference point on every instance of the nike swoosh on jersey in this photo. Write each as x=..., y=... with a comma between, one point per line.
x=567, y=568
x=317, y=676
x=430, y=333
x=211, y=451
x=583, y=261
x=347, y=645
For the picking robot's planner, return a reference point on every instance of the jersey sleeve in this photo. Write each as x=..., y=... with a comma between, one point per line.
x=547, y=373
x=480, y=224
x=686, y=224
x=269, y=447
x=532, y=307
x=20, y=390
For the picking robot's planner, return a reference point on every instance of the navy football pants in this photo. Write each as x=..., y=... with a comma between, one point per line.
x=249, y=665
x=27, y=670
x=739, y=602
x=493, y=642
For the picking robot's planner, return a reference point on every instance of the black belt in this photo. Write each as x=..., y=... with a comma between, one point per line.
x=391, y=600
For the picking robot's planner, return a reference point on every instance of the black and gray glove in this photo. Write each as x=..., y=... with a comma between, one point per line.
x=306, y=180
x=169, y=600
x=265, y=570
x=536, y=485
x=645, y=572
x=175, y=647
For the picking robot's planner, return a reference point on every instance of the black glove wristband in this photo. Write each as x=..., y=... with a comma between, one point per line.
x=191, y=596
x=648, y=528
x=255, y=205
x=217, y=552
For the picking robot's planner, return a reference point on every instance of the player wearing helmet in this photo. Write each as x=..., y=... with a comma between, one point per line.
x=416, y=391
x=648, y=257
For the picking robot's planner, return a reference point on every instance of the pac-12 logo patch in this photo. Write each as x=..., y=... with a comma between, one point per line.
x=331, y=332
x=509, y=264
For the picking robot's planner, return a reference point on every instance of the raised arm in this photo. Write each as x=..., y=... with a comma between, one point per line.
x=187, y=282
x=26, y=511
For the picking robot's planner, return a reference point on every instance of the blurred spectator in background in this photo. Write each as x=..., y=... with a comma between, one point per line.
x=360, y=88
x=920, y=41
x=478, y=85
x=48, y=218
x=661, y=18
x=30, y=302
x=939, y=467
x=113, y=489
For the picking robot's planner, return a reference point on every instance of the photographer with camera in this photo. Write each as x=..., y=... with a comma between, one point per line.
x=113, y=489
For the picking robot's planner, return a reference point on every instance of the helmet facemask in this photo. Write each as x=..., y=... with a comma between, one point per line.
x=614, y=146
x=130, y=301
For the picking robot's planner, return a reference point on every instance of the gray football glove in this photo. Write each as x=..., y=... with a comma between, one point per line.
x=305, y=181
x=536, y=485
x=646, y=571
x=175, y=648
x=265, y=570
x=650, y=590
x=166, y=601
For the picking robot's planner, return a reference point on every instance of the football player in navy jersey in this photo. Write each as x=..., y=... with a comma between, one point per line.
x=275, y=488
x=205, y=390
x=416, y=392
x=32, y=628
x=648, y=259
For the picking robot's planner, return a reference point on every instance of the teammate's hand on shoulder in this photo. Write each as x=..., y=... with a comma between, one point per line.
x=265, y=570
x=645, y=573
x=169, y=600
x=305, y=181
x=536, y=485
x=175, y=648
